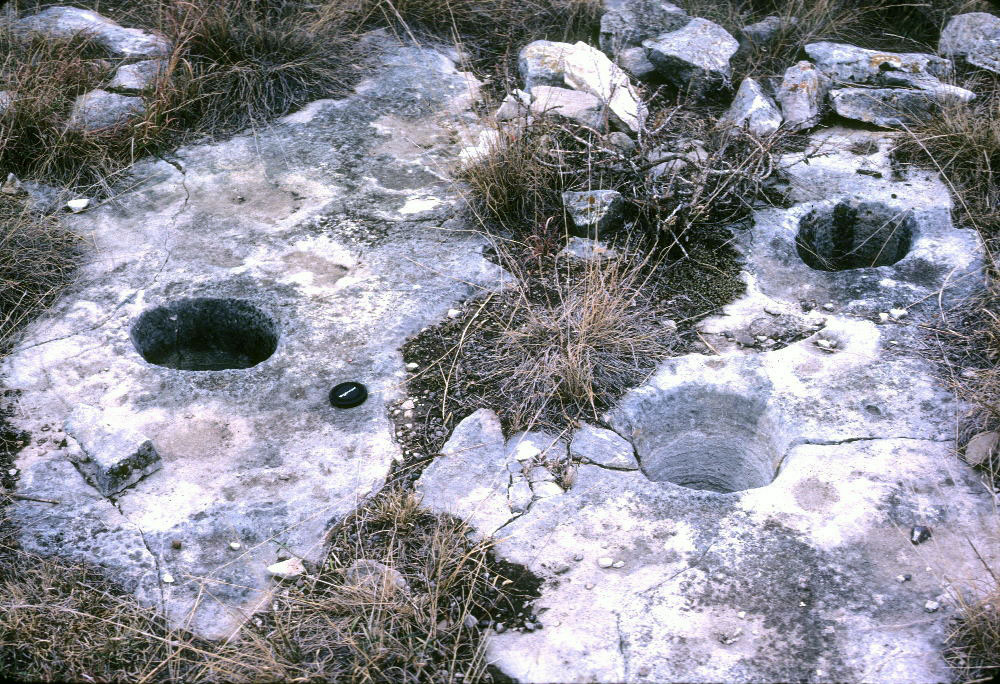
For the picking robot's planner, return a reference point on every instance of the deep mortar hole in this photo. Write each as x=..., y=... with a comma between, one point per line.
x=711, y=440
x=854, y=234
x=204, y=334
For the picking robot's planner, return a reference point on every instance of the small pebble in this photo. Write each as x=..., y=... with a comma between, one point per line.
x=12, y=472
x=897, y=314
x=618, y=564
x=578, y=557
x=167, y=578
x=742, y=615
x=588, y=586
x=883, y=317
x=235, y=546
x=919, y=534
x=78, y=205
x=932, y=606
x=829, y=306
x=605, y=562
x=903, y=578
x=411, y=366
x=453, y=313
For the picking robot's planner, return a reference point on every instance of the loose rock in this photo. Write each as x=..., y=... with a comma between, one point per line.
x=590, y=71
x=754, y=109
x=287, y=569
x=695, y=56
x=801, y=94
x=887, y=107
x=114, y=455
x=100, y=109
x=139, y=77
x=585, y=249
x=982, y=448
x=66, y=22
x=572, y=105
x=594, y=212
x=542, y=63
x=375, y=576
x=629, y=23
x=975, y=37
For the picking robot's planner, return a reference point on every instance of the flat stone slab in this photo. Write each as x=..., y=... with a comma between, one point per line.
x=114, y=456
x=744, y=515
x=330, y=238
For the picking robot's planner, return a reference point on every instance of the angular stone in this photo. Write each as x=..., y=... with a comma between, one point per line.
x=514, y=106
x=605, y=448
x=754, y=109
x=594, y=212
x=66, y=22
x=99, y=110
x=469, y=478
x=541, y=444
x=114, y=456
x=629, y=22
x=696, y=55
x=887, y=107
x=542, y=62
x=982, y=448
x=590, y=71
x=543, y=489
x=138, y=77
x=572, y=105
x=975, y=37
x=765, y=31
x=287, y=569
x=519, y=494
x=635, y=63
x=801, y=94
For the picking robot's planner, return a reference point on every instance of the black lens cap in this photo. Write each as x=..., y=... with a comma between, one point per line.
x=348, y=395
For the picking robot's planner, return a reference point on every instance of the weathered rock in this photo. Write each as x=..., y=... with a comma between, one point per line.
x=635, y=63
x=586, y=249
x=594, y=212
x=138, y=77
x=542, y=445
x=605, y=448
x=100, y=109
x=114, y=456
x=6, y=100
x=754, y=109
x=982, y=447
x=519, y=494
x=589, y=70
x=490, y=140
x=572, y=105
x=975, y=37
x=475, y=455
x=542, y=63
x=695, y=56
x=287, y=569
x=543, y=489
x=66, y=22
x=847, y=64
x=887, y=107
x=12, y=186
x=277, y=219
x=801, y=95
x=764, y=32
x=629, y=22
x=376, y=577
x=78, y=204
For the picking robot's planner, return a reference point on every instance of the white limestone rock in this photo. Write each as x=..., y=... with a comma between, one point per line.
x=589, y=70
x=138, y=77
x=66, y=22
x=542, y=63
x=754, y=109
x=886, y=107
x=606, y=448
x=594, y=212
x=572, y=105
x=99, y=110
x=974, y=37
x=802, y=94
x=627, y=23
x=114, y=456
x=696, y=55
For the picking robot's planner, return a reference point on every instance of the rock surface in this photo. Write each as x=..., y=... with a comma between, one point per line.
x=542, y=63
x=752, y=510
x=100, y=109
x=329, y=223
x=138, y=77
x=66, y=22
x=754, y=109
x=888, y=107
x=696, y=55
x=975, y=37
x=590, y=71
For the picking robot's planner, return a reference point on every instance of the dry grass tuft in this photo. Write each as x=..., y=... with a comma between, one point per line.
x=67, y=623
x=37, y=259
x=974, y=643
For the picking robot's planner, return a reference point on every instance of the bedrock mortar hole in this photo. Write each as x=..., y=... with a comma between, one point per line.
x=205, y=334
x=854, y=234
x=710, y=440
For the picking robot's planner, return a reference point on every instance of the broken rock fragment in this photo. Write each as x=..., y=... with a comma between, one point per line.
x=590, y=71
x=629, y=22
x=100, y=109
x=754, y=109
x=138, y=77
x=571, y=105
x=542, y=62
x=594, y=212
x=975, y=37
x=696, y=55
x=801, y=94
x=114, y=457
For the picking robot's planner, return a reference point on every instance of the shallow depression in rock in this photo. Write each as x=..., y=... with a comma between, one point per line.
x=854, y=234
x=205, y=334
x=711, y=440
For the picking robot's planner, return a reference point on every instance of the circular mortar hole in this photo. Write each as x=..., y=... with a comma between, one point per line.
x=710, y=440
x=854, y=234
x=205, y=334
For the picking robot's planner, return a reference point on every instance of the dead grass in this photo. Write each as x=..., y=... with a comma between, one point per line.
x=973, y=647
x=37, y=259
x=67, y=623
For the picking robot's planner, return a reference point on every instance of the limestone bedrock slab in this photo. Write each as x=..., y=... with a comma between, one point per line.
x=760, y=531
x=335, y=231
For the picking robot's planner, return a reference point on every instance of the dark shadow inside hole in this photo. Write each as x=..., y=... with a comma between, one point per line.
x=854, y=234
x=205, y=334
